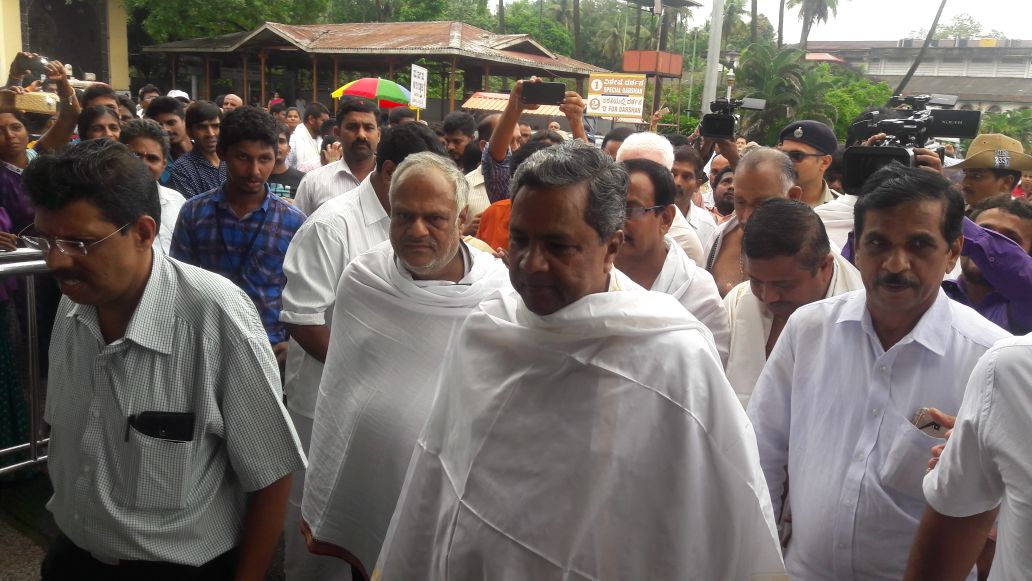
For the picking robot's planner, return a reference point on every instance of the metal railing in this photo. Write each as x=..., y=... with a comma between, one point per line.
x=27, y=263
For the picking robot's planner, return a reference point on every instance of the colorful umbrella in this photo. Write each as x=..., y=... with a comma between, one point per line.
x=387, y=94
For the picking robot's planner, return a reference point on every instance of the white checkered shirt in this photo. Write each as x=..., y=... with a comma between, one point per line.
x=195, y=344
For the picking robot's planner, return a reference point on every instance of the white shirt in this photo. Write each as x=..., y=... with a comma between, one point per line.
x=303, y=146
x=703, y=223
x=694, y=288
x=837, y=216
x=324, y=183
x=329, y=239
x=987, y=462
x=194, y=345
x=683, y=233
x=477, y=201
x=171, y=202
x=837, y=409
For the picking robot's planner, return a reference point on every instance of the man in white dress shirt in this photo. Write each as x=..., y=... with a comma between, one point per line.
x=789, y=263
x=688, y=175
x=359, y=134
x=835, y=406
x=305, y=141
x=397, y=307
x=654, y=261
x=148, y=141
x=336, y=233
x=582, y=426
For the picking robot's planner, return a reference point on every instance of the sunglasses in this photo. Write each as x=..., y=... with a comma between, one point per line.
x=799, y=156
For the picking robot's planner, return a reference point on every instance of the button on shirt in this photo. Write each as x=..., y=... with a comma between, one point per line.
x=193, y=345
x=324, y=183
x=248, y=251
x=336, y=233
x=837, y=409
x=986, y=463
x=193, y=174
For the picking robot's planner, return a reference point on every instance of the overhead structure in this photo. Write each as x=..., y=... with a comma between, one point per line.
x=378, y=49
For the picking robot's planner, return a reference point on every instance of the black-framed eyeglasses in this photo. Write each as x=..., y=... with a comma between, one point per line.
x=799, y=156
x=67, y=247
x=636, y=213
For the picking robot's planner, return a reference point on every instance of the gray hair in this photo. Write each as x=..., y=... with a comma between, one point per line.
x=445, y=166
x=647, y=145
x=775, y=159
x=573, y=162
x=146, y=128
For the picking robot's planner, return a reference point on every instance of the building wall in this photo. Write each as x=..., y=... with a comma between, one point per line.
x=117, y=45
x=10, y=34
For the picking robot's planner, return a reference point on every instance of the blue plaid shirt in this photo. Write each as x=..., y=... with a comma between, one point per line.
x=193, y=174
x=209, y=235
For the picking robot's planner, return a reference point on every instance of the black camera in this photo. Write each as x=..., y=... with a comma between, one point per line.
x=722, y=123
x=914, y=126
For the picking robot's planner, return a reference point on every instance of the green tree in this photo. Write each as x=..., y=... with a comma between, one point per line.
x=164, y=20
x=522, y=16
x=766, y=72
x=851, y=95
x=962, y=26
x=812, y=12
x=1016, y=124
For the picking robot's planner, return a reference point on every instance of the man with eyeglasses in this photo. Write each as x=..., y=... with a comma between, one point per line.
x=653, y=260
x=170, y=450
x=810, y=145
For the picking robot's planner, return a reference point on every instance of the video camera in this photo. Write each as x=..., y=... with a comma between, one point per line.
x=722, y=123
x=904, y=134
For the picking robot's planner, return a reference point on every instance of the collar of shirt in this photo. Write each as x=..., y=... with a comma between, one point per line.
x=156, y=304
x=372, y=209
x=931, y=330
x=219, y=199
x=341, y=166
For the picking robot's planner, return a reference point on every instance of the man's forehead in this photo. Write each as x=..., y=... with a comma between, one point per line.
x=356, y=117
x=790, y=145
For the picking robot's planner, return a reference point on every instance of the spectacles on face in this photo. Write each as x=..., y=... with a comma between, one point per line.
x=799, y=156
x=67, y=247
x=636, y=213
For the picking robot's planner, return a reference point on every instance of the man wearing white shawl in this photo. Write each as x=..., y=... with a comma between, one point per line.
x=653, y=260
x=396, y=309
x=578, y=433
x=789, y=263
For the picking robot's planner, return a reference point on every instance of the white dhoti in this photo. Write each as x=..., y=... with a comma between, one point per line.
x=751, y=323
x=389, y=337
x=599, y=442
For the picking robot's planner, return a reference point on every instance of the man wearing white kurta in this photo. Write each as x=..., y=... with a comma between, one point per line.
x=789, y=263
x=836, y=405
x=570, y=423
x=397, y=307
x=330, y=238
x=653, y=260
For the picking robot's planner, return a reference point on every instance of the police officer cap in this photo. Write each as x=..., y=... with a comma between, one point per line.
x=813, y=133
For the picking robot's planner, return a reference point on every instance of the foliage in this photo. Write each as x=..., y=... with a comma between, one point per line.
x=164, y=20
x=525, y=16
x=811, y=12
x=852, y=95
x=962, y=26
x=1016, y=124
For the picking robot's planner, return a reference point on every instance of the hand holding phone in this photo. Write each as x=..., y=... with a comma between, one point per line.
x=543, y=93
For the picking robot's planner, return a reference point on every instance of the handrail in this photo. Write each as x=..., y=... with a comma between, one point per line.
x=28, y=263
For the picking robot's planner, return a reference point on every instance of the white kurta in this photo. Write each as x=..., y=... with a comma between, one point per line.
x=388, y=340
x=837, y=216
x=599, y=442
x=751, y=323
x=695, y=288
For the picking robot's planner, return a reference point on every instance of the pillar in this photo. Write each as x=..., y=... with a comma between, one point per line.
x=336, y=79
x=247, y=86
x=451, y=84
x=263, y=59
x=315, y=78
x=207, y=78
x=117, y=45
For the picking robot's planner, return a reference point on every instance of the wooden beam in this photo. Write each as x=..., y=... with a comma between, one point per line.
x=487, y=77
x=390, y=69
x=315, y=78
x=207, y=78
x=247, y=85
x=172, y=70
x=451, y=83
x=262, y=60
x=336, y=79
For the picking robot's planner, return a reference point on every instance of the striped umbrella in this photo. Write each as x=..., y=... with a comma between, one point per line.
x=387, y=94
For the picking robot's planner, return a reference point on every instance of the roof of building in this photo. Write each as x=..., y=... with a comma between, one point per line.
x=836, y=45
x=390, y=39
x=967, y=88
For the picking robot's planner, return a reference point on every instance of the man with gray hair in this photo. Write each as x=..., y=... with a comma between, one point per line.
x=761, y=174
x=397, y=306
x=572, y=413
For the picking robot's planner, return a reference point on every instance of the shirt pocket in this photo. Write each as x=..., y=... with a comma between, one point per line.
x=157, y=472
x=907, y=461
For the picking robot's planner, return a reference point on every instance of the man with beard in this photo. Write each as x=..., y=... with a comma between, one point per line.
x=200, y=170
x=996, y=268
x=655, y=261
x=687, y=172
x=789, y=263
x=572, y=415
x=331, y=237
x=836, y=405
x=459, y=128
x=305, y=140
x=724, y=196
x=397, y=307
x=359, y=133
x=763, y=174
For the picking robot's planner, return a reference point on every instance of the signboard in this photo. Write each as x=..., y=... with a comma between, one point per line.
x=417, y=87
x=616, y=95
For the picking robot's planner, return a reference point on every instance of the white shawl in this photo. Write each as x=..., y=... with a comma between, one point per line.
x=751, y=323
x=388, y=339
x=599, y=442
x=695, y=288
x=837, y=216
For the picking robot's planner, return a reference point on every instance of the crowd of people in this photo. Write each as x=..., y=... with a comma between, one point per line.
x=475, y=349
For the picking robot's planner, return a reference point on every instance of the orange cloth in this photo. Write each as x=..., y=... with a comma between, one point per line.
x=494, y=224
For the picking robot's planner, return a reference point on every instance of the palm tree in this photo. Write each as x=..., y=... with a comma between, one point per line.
x=501, y=16
x=767, y=72
x=781, y=24
x=733, y=22
x=813, y=85
x=811, y=12
x=752, y=23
